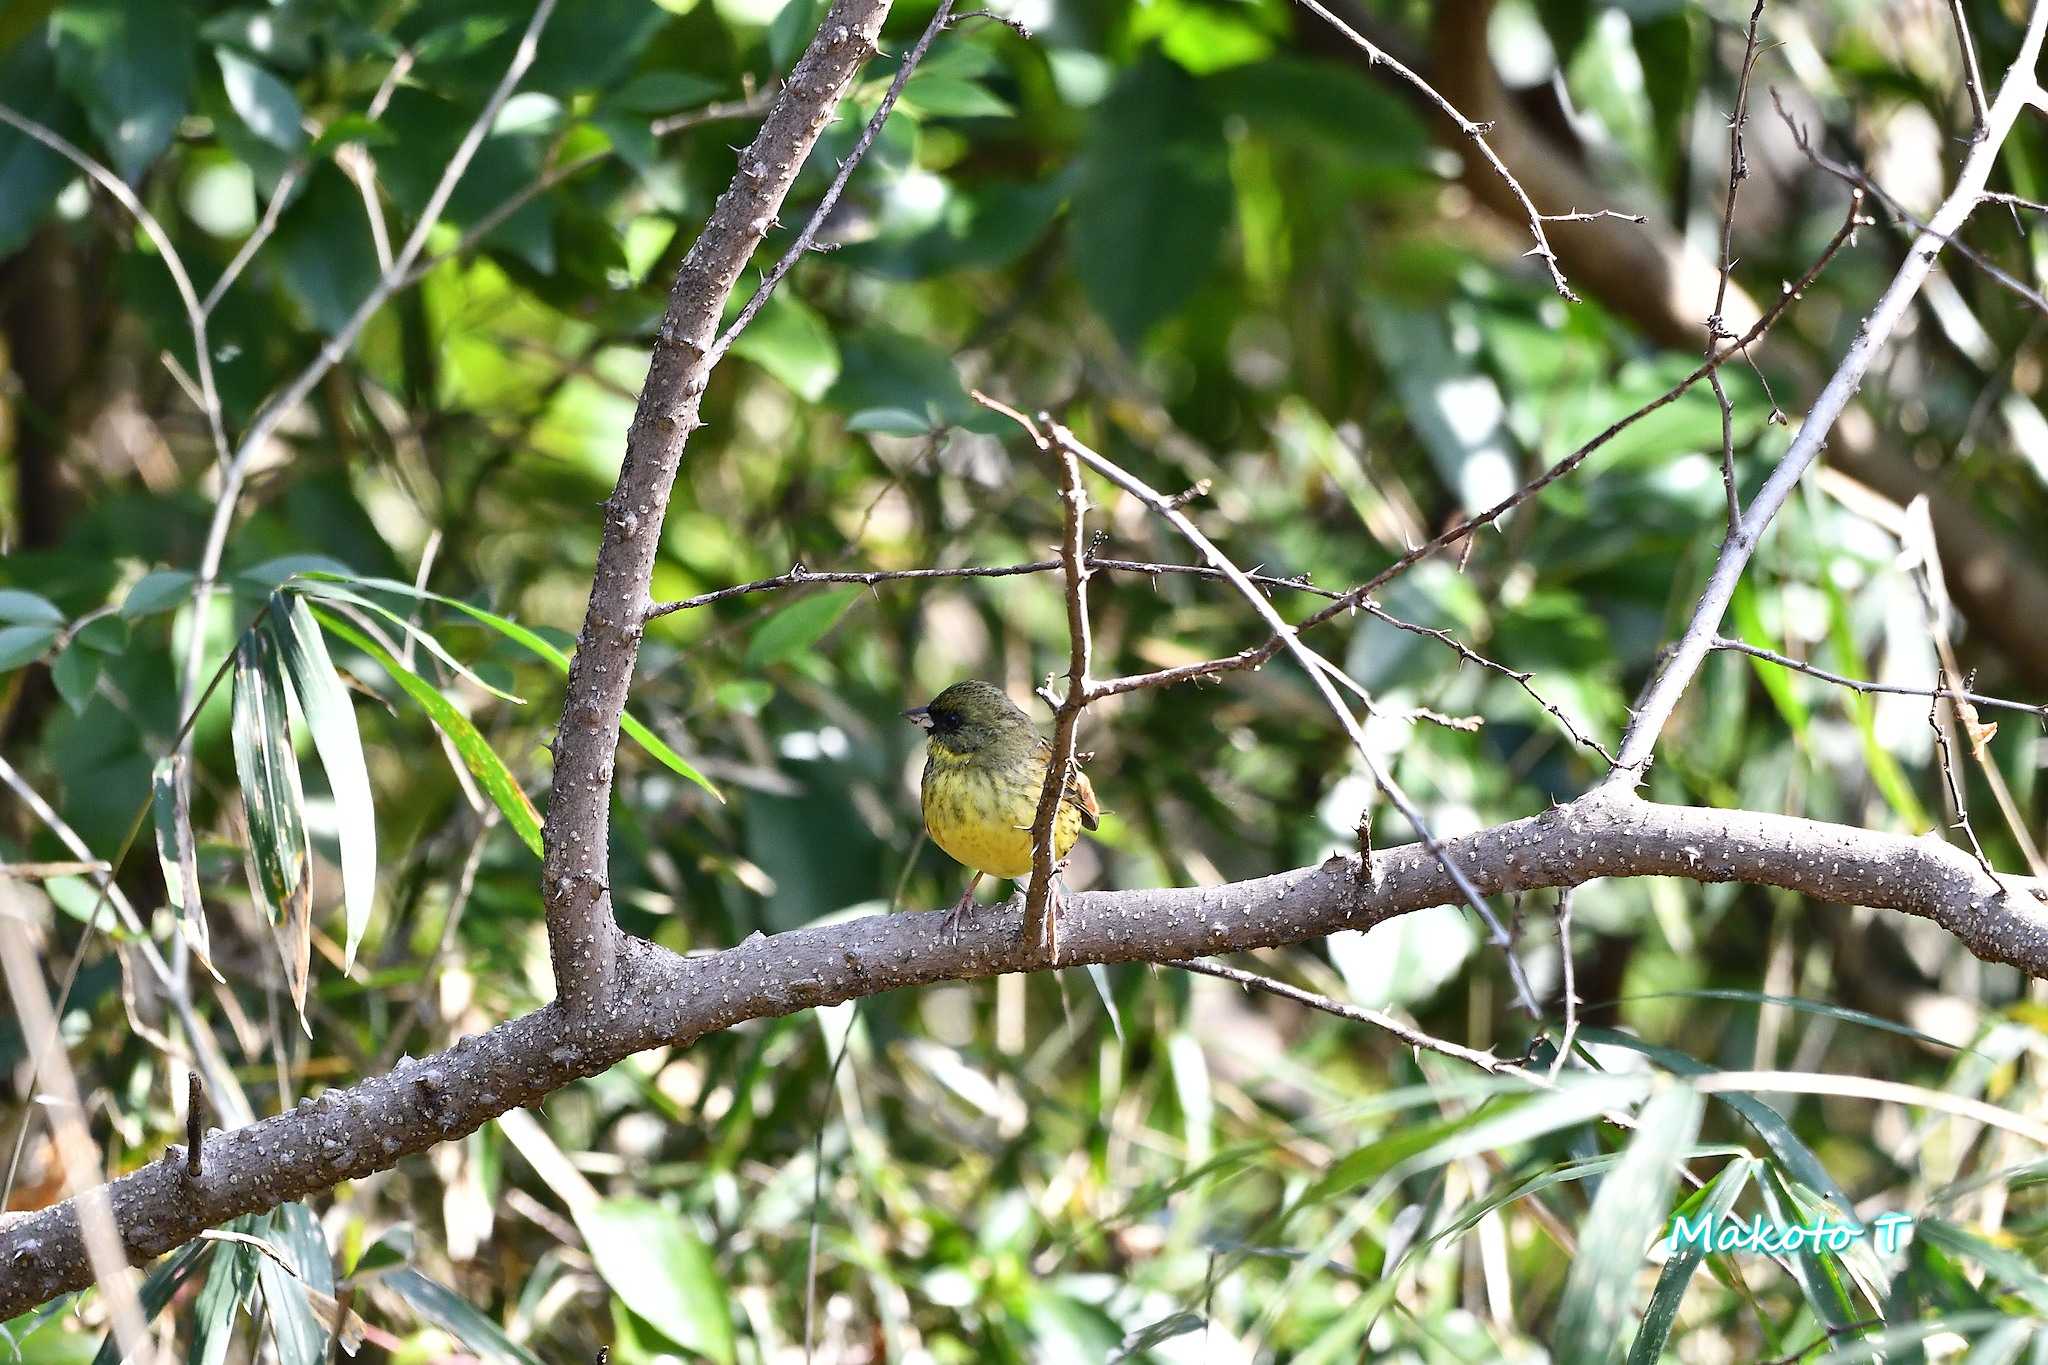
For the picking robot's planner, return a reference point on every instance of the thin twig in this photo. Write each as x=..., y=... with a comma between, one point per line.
x=195, y=316
x=1717, y=326
x=491, y=221
x=1973, y=78
x=1476, y=132
x=1473, y=656
x=195, y=1122
x=1852, y=175
x=830, y=200
x=1041, y=916
x=1888, y=689
x=1954, y=788
x=1571, y=984
x=1359, y=1014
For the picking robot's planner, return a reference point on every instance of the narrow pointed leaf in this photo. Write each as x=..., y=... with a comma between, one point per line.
x=325, y=587
x=1634, y=1201
x=459, y=1318
x=1712, y=1204
x=324, y=703
x=301, y=1340
x=280, y=854
x=477, y=755
x=540, y=648
x=159, y=1287
x=227, y=1287
x=170, y=808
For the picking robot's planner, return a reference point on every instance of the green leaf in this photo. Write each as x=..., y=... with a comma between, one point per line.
x=791, y=341
x=456, y=1316
x=477, y=755
x=1712, y=1203
x=1885, y=772
x=157, y=590
x=1632, y=1202
x=890, y=422
x=264, y=102
x=2008, y=1267
x=661, y=92
x=159, y=1287
x=280, y=853
x=76, y=672
x=1770, y=1125
x=795, y=628
x=1153, y=200
x=172, y=819
x=325, y=586
x=324, y=703
x=326, y=257
x=658, y=1266
x=26, y=608
x=1818, y=1271
x=131, y=65
x=951, y=97
x=23, y=644
x=1153, y=1333
x=103, y=635
x=228, y=1282
x=540, y=648
x=30, y=173
x=301, y=1340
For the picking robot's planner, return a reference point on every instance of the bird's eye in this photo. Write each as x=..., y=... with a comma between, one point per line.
x=945, y=722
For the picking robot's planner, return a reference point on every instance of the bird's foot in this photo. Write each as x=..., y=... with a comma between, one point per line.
x=949, y=927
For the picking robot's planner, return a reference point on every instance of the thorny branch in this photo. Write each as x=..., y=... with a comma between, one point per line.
x=667, y=1000
x=1717, y=326
x=1376, y=56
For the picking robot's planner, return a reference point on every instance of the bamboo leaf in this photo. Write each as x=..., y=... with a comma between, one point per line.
x=1596, y=1304
x=324, y=703
x=280, y=854
x=477, y=755
x=536, y=644
x=1711, y=1203
x=174, y=852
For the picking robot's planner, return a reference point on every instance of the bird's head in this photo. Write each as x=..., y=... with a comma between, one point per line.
x=971, y=718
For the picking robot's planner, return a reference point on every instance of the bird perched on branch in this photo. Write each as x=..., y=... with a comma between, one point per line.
x=984, y=770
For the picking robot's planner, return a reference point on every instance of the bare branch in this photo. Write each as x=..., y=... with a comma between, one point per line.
x=1888, y=689
x=1973, y=78
x=1358, y=1014
x=1717, y=326
x=583, y=938
x=830, y=200
x=1682, y=664
x=1377, y=56
x=666, y=1000
x=195, y=315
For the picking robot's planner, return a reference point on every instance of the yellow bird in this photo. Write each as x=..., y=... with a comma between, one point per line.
x=983, y=772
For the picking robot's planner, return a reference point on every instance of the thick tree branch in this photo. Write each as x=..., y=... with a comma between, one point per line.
x=666, y=1000
x=583, y=938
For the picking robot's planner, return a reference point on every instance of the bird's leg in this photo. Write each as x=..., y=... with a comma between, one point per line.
x=950, y=926
x=1055, y=906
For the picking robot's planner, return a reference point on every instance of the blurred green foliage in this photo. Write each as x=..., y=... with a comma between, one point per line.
x=1216, y=250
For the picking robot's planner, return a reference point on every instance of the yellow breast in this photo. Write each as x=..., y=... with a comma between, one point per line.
x=982, y=817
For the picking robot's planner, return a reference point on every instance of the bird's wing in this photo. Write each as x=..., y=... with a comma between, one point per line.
x=1080, y=794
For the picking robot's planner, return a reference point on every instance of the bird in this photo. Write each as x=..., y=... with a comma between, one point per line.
x=984, y=770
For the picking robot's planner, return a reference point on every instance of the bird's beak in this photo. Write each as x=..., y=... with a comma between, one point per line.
x=920, y=716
